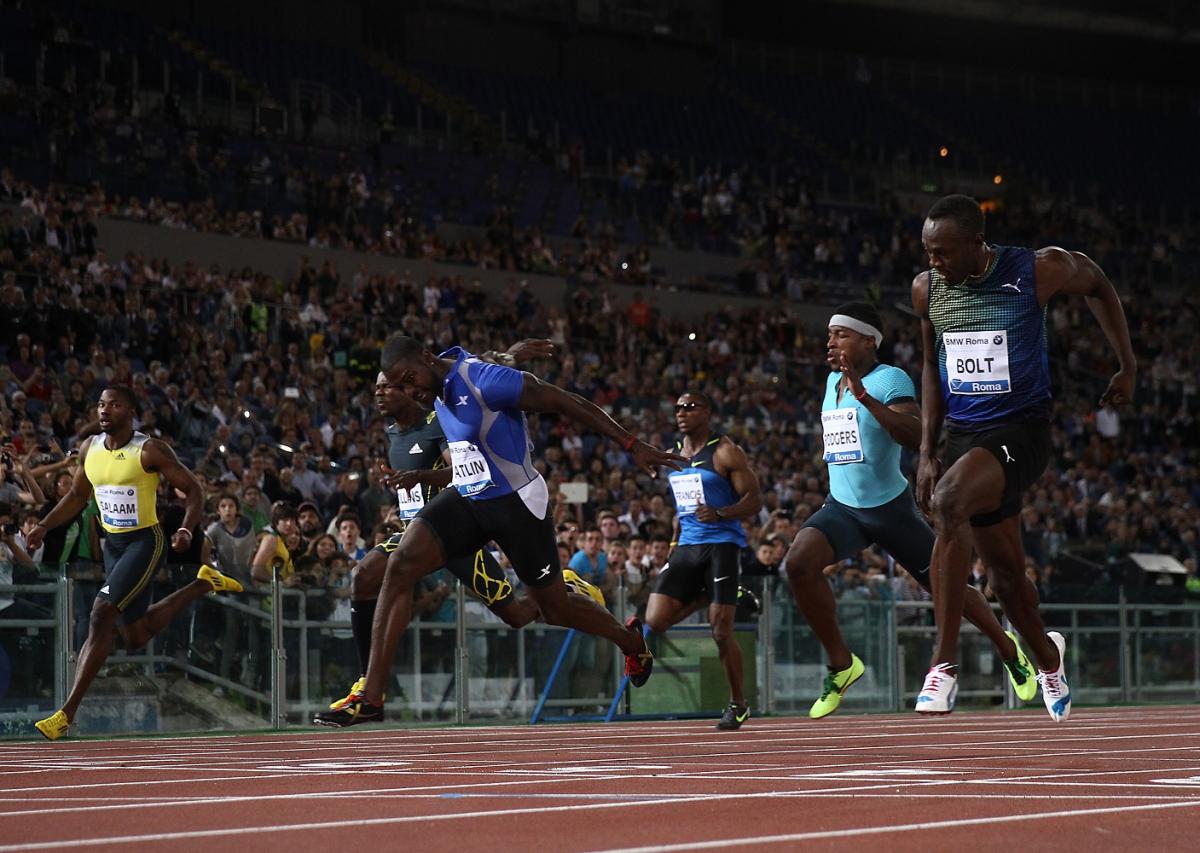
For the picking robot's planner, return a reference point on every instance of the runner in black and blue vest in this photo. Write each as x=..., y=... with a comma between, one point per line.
x=418, y=457
x=496, y=494
x=869, y=412
x=713, y=493
x=987, y=375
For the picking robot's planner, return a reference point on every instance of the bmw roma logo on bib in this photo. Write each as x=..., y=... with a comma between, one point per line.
x=843, y=441
x=977, y=362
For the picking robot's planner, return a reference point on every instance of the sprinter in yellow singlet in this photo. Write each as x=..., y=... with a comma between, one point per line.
x=122, y=468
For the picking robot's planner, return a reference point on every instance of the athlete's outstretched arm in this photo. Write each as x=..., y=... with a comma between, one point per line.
x=161, y=458
x=71, y=504
x=539, y=396
x=1074, y=273
x=933, y=407
x=523, y=351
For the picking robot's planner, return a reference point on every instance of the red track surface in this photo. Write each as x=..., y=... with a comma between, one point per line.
x=1106, y=779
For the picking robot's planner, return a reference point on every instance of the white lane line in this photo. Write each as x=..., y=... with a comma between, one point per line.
x=358, y=823
x=512, y=736
x=75, y=786
x=445, y=789
x=86, y=761
x=880, y=830
x=577, y=807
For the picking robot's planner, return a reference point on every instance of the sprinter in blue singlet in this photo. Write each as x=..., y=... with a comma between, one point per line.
x=868, y=412
x=986, y=374
x=713, y=493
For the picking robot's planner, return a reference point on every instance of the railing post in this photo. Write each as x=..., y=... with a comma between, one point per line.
x=622, y=607
x=416, y=665
x=461, y=657
x=891, y=638
x=1126, y=663
x=302, y=606
x=765, y=627
x=1196, y=652
x=521, y=664
x=278, y=658
x=64, y=642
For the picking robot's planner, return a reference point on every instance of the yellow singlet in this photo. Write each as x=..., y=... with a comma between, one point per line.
x=126, y=493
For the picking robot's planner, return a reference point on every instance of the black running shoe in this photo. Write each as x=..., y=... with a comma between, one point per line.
x=639, y=665
x=357, y=712
x=733, y=717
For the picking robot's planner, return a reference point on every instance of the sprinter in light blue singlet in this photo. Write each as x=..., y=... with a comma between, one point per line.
x=868, y=413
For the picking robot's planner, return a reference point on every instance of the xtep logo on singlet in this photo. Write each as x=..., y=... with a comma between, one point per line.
x=977, y=362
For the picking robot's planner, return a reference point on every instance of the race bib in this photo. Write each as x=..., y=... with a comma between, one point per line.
x=977, y=362
x=118, y=505
x=471, y=472
x=689, y=492
x=411, y=502
x=843, y=439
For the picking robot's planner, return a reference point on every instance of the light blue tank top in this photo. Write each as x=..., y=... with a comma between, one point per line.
x=864, y=461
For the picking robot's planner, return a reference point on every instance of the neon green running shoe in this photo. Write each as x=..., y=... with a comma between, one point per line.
x=1021, y=672
x=836, y=684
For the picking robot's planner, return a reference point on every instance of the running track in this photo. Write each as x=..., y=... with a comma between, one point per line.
x=1109, y=778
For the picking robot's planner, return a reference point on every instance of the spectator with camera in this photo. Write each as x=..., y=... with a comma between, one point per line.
x=12, y=552
x=17, y=485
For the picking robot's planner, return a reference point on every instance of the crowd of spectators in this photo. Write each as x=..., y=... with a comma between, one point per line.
x=252, y=379
x=264, y=388
x=160, y=166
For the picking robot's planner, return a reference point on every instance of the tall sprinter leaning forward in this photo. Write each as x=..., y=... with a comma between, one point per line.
x=122, y=468
x=712, y=496
x=987, y=375
x=497, y=495
x=868, y=413
x=418, y=458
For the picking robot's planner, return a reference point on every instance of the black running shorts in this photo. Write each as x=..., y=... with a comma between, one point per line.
x=130, y=561
x=710, y=569
x=896, y=526
x=1023, y=449
x=464, y=526
x=479, y=572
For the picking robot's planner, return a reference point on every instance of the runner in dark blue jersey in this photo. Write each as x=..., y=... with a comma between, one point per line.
x=496, y=495
x=712, y=494
x=986, y=374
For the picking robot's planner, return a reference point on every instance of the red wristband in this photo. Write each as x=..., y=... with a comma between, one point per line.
x=630, y=441
x=862, y=396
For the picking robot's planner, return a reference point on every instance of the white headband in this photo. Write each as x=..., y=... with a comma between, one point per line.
x=857, y=326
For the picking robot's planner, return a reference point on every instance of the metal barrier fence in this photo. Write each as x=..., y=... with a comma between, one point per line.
x=270, y=659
